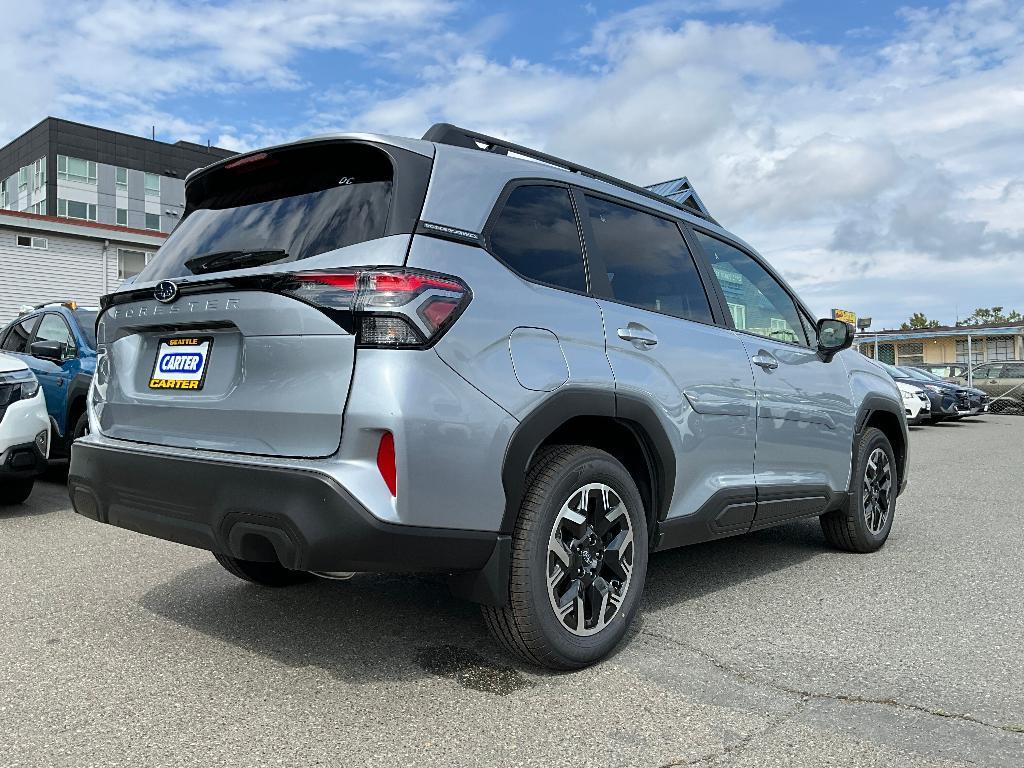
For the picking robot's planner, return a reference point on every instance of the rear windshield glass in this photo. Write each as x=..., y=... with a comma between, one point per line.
x=278, y=207
x=87, y=323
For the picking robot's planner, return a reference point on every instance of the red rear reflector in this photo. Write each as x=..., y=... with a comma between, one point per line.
x=386, y=462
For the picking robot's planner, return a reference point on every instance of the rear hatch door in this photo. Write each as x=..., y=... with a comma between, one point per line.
x=203, y=352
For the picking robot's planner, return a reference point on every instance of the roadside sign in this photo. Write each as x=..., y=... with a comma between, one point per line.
x=845, y=315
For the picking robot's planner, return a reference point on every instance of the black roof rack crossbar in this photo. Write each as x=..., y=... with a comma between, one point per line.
x=446, y=133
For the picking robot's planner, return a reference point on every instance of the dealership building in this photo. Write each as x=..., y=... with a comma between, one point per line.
x=82, y=208
x=948, y=344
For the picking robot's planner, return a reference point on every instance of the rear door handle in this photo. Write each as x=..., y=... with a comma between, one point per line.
x=765, y=360
x=640, y=336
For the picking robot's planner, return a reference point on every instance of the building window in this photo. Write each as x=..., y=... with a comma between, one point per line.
x=73, y=209
x=911, y=353
x=152, y=185
x=887, y=353
x=976, y=351
x=121, y=178
x=39, y=173
x=1000, y=348
x=75, y=169
x=23, y=177
x=39, y=208
x=39, y=243
x=739, y=315
x=122, y=217
x=153, y=221
x=130, y=263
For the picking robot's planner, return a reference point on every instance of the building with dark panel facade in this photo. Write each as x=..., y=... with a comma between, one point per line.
x=75, y=171
x=82, y=208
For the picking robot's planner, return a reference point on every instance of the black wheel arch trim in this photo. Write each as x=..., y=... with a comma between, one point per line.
x=632, y=412
x=871, y=405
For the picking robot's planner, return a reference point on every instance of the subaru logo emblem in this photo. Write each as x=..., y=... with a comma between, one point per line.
x=165, y=291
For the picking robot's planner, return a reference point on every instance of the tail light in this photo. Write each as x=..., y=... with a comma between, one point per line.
x=394, y=308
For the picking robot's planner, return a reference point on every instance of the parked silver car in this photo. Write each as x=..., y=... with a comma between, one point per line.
x=368, y=353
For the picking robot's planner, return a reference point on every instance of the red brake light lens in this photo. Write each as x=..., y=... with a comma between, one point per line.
x=346, y=280
x=437, y=311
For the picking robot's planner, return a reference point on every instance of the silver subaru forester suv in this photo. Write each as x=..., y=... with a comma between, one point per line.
x=363, y=353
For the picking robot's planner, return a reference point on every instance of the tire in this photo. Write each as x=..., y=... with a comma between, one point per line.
x=557, y=483
x=15, y=491
x=851, y=529
x=264, y=574
x=81, y=427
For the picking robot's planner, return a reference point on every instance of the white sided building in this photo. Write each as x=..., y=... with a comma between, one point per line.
x=44, y=258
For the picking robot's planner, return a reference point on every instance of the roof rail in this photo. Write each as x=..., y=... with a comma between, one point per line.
x=24, y=309
x=446, y=133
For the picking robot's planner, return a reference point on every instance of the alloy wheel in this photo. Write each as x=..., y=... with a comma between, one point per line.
x=878, y=488
x=590, y=559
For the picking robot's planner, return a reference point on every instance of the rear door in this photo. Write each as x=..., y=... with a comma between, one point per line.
x=805, y=414
x=664, y=345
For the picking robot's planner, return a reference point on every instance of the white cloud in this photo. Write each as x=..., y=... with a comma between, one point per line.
x=902, y=168
x=887, y=181
x=113, y=58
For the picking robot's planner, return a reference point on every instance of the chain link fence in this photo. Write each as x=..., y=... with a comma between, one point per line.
x=991, y=363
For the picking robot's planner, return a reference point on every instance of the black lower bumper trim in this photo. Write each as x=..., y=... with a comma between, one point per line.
x=23, y=461
x=309, y=521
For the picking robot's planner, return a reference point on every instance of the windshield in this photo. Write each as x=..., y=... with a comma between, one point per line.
x=278, y=207
x=916, y=373
x=87, y=323
x=892, y=370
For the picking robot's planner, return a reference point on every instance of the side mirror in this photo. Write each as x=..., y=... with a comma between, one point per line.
x=833, y=337
x=48, y=350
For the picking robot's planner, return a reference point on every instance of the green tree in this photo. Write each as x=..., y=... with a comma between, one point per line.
x=984, y=315
x=919, y=320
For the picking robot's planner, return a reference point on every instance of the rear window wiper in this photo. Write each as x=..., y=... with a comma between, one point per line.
x=221, y=260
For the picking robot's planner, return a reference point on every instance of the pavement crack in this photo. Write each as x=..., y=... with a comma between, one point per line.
x=735, y=748
x=847, y=698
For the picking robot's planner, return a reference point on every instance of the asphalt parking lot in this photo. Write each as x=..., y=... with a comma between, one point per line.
x=769, y=649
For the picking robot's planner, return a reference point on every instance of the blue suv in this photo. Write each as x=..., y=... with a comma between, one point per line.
x=58, y=342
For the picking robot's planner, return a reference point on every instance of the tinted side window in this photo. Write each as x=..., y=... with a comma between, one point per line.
x=536, y=235
x=20, y=333
x=53, y=328
x=757, y=302
x=1013, y=371
x=647, y=260
x=986, y=372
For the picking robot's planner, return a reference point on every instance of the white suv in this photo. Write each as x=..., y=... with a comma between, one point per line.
x=916, y=403
x=24, y=430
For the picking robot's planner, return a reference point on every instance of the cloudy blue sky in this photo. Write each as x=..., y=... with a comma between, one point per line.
x=873, y=151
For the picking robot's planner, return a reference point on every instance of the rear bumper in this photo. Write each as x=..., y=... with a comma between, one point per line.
x=304, y=519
